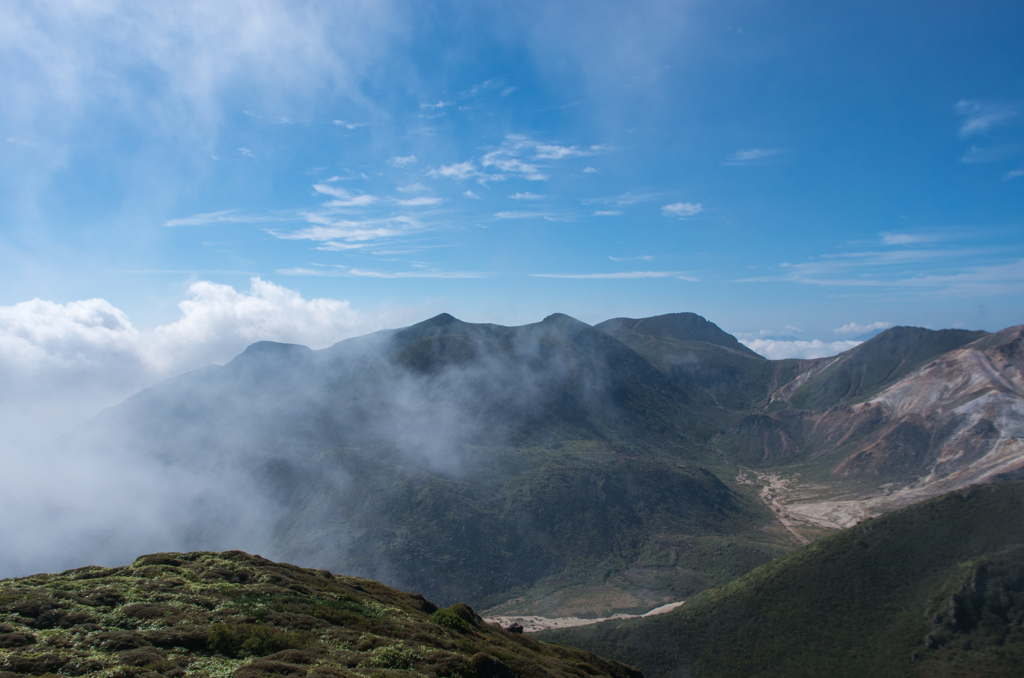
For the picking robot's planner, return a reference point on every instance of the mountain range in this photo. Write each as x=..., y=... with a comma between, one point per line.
x=565, y=468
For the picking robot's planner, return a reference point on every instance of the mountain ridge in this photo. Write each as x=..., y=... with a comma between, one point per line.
x=465, y=460
x=555, y=464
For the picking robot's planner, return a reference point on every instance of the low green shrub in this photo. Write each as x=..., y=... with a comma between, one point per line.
x=393, y=657
x=252, y=640
x=450, y=620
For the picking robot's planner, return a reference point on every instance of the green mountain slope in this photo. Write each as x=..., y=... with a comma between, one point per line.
x=677, y=326
x=553, y=466
x=936, y=589
x=232, y=614
x=862, y=372
x=697, y=354
x=470, y=462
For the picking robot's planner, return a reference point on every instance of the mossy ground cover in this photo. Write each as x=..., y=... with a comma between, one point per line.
x=233, y=614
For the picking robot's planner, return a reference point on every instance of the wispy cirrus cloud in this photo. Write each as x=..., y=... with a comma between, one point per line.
x=879, y=267
x=517, y=144
x=360, y=273
x=517, y=156
x=682, y=210
x=420, y=201
x=504, y=161
x=526, y=196
x=607, y=213
x=556, y=152
x=120, y=61
x=948, y=272
x=203, y=219
x=351, y=231
x=910, y=238
x=627, y=198
x=337, y=270
x=980, y=115
x=459, y=170
x=333, y=271
x=631, y=275
x=343, y=198
x=223, y=216
x=480, y=87
x=973, y=281
x=522, y=215
x=403, y=161
x=751, y=156
x=645, y=257
x=335, y=246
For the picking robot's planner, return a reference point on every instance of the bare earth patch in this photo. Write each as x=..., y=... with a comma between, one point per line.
x=534, y=624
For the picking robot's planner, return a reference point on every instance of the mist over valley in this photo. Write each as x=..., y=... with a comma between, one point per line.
x=553, y=468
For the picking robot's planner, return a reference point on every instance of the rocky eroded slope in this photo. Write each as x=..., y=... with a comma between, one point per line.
x=954, y=421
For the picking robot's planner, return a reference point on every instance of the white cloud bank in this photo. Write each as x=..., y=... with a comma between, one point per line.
x=62, y=363
x=776, y=349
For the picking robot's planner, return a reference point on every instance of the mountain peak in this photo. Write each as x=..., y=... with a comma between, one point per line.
x=440, y=319
x=274, y=349
x=677, y=326
x=563, y=320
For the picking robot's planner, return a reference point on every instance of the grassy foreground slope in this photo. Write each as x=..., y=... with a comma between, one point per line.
x=223, y=614
x=936, y=589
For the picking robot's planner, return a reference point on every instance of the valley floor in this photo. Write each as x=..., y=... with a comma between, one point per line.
x=532, y=624
x=811, y=510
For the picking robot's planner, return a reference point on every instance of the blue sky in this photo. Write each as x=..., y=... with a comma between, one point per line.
x=804, y=170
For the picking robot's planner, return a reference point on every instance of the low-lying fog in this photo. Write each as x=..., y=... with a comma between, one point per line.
x=108, y=491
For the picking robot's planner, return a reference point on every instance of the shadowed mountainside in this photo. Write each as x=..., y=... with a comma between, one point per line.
x=936, y=589
x=466, y=461
x=697, y=353
x=558, y=467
